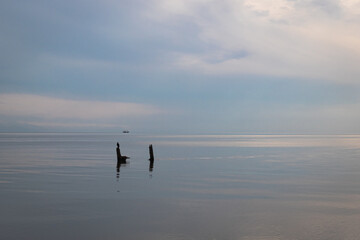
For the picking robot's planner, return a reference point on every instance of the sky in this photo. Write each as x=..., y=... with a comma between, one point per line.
x=180, y=66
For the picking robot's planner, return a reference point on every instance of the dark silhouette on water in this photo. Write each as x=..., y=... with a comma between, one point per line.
x=151, y=152
x=151, y=159
x=151, y=166
x=120, y=159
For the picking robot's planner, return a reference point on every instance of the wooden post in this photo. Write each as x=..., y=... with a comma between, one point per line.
x=151, y=152
x=151, y=159
x=120, y=159
x=118, y=154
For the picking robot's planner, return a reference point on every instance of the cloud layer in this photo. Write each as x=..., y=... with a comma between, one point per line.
x=49, y=107
x=311, y=39
x=314, y=40
x=50, y=112
x=251, y=66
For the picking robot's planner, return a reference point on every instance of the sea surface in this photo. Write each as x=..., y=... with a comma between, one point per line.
x=248, y=187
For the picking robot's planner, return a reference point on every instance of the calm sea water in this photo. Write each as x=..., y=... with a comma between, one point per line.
x=65, y=186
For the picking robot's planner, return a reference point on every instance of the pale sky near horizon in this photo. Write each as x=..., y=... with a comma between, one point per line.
x=190, y=66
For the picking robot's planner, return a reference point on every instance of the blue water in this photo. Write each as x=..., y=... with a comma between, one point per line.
x=66, y=186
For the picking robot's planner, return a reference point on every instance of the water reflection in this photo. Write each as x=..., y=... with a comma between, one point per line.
x=151, y=165
x=268, y=141
x=255, y=192
x=118, y=167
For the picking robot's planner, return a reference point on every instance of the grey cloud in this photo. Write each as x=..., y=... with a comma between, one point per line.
x=102, y=31
x=226, y=56
x=331, y=8
x=118, y=33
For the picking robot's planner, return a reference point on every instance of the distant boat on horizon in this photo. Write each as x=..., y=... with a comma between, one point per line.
x=126, y=131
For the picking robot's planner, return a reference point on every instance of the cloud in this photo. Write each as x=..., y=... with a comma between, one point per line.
x=311, y=39
x=26, y=105
x=201, y=57
x=71, y=125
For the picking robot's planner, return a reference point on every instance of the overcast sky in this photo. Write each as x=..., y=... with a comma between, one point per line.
x=180, y=66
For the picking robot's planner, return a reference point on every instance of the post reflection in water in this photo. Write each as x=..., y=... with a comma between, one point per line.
x=151, y=165
x=120, y=160
x=118, y=166
x=117, y=173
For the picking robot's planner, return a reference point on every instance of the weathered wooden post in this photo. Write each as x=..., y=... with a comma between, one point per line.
x=118, y=154
x=120, y=159
x=151, y=159
x=151, y=152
